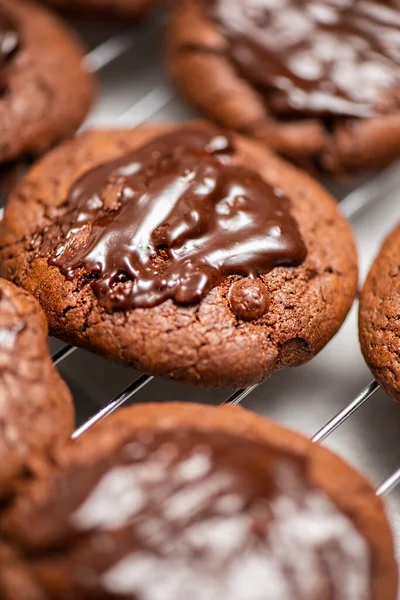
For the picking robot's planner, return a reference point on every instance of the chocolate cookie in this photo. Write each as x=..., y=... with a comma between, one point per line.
x=378, y=318
x=201, y=503
x=45, y=91
x=182, y=251
x=36, y=406
x=130, y=9
x=319, y=82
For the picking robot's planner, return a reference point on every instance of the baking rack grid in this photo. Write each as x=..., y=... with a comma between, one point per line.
x=100, y=58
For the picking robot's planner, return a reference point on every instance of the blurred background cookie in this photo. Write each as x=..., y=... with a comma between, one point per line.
x=185, y=501
x=36, y=408
x=379, y=324
x=319, y=82
x=45, y=90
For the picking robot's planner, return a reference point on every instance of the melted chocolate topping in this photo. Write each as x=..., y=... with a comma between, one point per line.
x=187, y=515
x=316, y=58
x=9, y=39
x=172, y=220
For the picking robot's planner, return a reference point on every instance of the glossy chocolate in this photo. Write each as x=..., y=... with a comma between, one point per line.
x=173, y=219
x=9, y=39
x=316, y=58
x=188, y=515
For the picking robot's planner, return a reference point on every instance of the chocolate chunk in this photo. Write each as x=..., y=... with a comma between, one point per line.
x=249, y=299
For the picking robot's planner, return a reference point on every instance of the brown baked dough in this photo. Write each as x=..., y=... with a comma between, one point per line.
x=49, y=92
x=36, y=405
x=379, y=325
x=199, y=63
x=32, y=535
x=129, y=9
x=204, y=343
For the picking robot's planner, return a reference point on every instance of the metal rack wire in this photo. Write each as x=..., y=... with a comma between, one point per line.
x=148, y=106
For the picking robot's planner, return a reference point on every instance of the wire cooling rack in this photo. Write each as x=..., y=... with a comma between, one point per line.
x=135, y=90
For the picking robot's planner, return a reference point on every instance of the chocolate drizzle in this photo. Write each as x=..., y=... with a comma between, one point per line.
x=172, y=220
x=189, y=515
x=313, y=58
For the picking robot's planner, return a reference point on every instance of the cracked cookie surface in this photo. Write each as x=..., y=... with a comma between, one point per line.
x=204, y=343
x=146, y=499
x=36, y=408
x=379, y=325
x=221, y=68
x=48, y=92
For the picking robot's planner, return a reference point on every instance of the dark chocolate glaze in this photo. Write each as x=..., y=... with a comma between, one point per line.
x=316, y=58
x=188, y=515
x=173, y=219
x=9, y=39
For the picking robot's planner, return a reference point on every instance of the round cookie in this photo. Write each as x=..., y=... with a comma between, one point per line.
x=45, y=90
x=36, y=405
x=222, y=334
x=319, y=82
x=202, y=503
x=378, y=316
x=129, y=9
